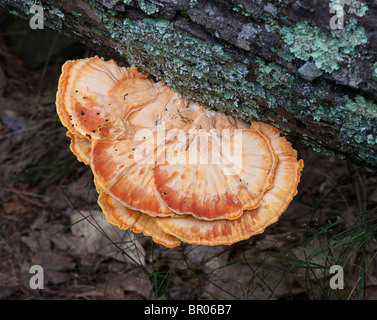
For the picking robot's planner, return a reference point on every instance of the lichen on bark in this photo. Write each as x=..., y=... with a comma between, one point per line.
x=252, y=75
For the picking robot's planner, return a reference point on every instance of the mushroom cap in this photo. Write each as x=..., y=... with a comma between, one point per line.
x=94, y=93
x=80, y=147
x=212, y=184
x=118, y=170
x=85, y=100
x=163, y=106
x=138, y=222
x=274, y=203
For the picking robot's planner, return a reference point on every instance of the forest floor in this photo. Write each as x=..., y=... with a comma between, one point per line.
x=49, y=214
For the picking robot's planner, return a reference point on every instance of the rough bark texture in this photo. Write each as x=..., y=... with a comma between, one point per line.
x=276, y=61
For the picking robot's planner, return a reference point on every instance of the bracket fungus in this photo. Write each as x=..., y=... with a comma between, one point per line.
x=169, y=167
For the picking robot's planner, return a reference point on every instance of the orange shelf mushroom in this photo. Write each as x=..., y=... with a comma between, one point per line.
x=171, y=168
x=80, y=147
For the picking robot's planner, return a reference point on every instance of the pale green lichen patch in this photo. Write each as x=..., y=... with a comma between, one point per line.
x=327, y=51
x=362, y=106
x=358, y=118
x=269, y=75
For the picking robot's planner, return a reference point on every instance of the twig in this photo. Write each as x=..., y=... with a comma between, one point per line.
x=24, y=195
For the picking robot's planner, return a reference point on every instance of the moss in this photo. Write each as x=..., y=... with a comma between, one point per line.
x=184, y=13
x=327, y=51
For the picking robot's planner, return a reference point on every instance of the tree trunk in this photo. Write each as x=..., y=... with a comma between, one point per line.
x=295, y=64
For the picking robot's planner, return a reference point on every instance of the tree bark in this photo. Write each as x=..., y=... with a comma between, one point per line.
x=295, y=64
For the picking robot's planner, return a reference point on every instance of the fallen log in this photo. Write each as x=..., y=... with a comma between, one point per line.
x=307, y=67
